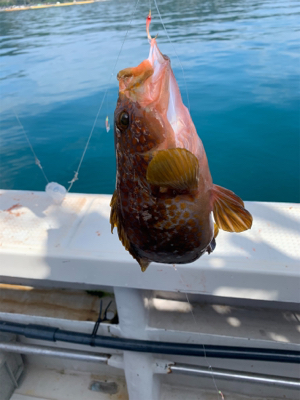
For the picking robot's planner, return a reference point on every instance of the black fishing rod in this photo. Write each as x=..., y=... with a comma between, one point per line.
x=53, y=334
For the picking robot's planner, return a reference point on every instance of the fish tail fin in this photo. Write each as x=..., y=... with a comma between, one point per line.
x=229, y=212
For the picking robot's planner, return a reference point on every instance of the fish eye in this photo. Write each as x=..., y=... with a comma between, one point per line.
x=124, y=119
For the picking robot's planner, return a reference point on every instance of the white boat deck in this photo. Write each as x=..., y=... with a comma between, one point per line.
x=245, y=293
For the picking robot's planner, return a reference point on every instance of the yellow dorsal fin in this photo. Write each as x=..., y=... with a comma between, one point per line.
x=229, y=212
x=174, y=168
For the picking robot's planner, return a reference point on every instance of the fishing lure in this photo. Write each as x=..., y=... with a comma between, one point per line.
x=107, y=125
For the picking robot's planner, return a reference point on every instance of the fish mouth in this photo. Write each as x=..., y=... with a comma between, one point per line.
x=148, y=83
x=153, y=86
x=133, y=78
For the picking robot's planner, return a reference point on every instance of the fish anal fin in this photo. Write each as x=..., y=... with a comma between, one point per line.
x=174, y=168
x=229, y=212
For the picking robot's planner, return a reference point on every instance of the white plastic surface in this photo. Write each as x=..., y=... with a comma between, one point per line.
x=56, y=191
x=72, y=242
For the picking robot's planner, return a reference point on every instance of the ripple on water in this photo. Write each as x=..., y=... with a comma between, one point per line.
x=241, y=62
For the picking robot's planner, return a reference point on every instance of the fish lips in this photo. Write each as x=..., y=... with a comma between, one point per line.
x=148, y=83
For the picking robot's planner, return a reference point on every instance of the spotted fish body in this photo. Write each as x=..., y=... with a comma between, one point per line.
x=164, y=197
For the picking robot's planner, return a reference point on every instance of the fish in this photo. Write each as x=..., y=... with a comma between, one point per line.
x=165, y=200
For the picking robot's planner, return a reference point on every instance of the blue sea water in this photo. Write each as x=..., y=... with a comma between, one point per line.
x=241, y=62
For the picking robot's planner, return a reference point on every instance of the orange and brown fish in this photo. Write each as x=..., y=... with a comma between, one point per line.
x=165, y=197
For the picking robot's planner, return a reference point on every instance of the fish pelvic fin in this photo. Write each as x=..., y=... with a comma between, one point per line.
x=174, y=168
x=229, y=212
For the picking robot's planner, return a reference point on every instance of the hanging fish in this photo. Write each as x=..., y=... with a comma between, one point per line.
x=164, y=198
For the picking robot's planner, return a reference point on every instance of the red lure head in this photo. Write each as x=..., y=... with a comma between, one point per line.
x=148, y=21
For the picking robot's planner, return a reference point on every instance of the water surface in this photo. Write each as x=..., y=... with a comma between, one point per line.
x=241, y=64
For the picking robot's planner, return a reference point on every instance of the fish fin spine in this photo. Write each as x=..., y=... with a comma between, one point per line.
x=115, y=221
x=174, y=168
x=229, y=212
x=114, y=211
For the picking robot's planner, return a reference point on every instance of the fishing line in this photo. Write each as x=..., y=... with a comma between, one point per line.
x=55, y=188
x=132, y=15
x=75, y=178
x=37, y=161
x=205, y=357
x=204, y=350
x=165, y=29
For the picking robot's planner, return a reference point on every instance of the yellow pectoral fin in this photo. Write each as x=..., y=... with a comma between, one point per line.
x=174, y=168
x=229, y=212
